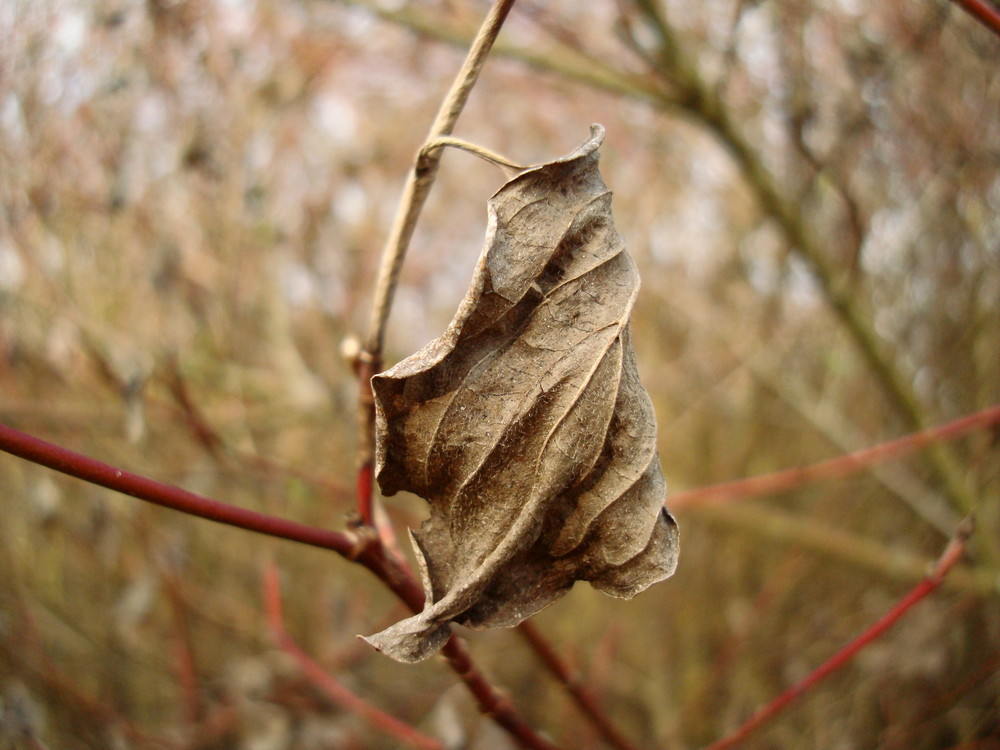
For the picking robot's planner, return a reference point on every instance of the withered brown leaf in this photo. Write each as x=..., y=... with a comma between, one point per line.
x=525, y=426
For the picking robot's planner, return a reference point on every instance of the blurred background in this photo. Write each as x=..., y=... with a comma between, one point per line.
x=193, y=197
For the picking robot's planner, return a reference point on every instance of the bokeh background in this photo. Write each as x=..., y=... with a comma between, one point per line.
x=193, y=197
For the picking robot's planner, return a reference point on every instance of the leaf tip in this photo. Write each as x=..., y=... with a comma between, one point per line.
x=410, y=640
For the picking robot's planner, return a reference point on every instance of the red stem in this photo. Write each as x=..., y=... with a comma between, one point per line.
x=782, y=481
x=74, y=464
x=367, y=366
x=951, y=555
x=586, y=699
x=365, y=489
x=364, y=549
x=333, y=688
x=983, y=12
x=491, y=701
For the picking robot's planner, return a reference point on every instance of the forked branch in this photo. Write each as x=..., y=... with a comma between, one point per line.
x=362, y=547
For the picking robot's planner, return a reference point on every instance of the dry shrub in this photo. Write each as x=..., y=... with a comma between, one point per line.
x=193, y=195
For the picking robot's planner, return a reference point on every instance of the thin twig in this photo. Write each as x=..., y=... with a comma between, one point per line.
x=418, y=185
x=422, y=175
x=509, y=168
x=491, y=701
x=326, y=682
x=951, y=555
x=783, y=481
x=588, y=702
x=90, y=470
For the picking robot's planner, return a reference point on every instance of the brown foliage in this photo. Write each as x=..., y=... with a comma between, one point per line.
x=525, y=425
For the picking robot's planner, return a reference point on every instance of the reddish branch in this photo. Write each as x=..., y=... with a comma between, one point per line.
x=951, y=555
x=783, y=481
x=77, y=465
x=586, y=699
x=331, y=687
x=983, y=12
x=361, y=547
x=491, y=701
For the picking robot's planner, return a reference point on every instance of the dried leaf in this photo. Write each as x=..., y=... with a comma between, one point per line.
x=524, y=425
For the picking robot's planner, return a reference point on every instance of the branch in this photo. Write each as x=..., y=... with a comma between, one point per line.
x=327, y=683
x=491, y=702
x=424, y=170
x=90, y=470
x=983, y=12
x=418, y=185
x=835, y=468
x=951, y=555
x=589, y=704
x=363, y=548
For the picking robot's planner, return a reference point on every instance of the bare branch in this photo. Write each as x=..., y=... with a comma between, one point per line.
x=422, y=175
x=418, y=185
x=90, y=470
x=834, y=468
x=951, y=555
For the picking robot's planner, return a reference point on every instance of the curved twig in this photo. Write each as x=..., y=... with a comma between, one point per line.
x=418, y=185
x=510, y=169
